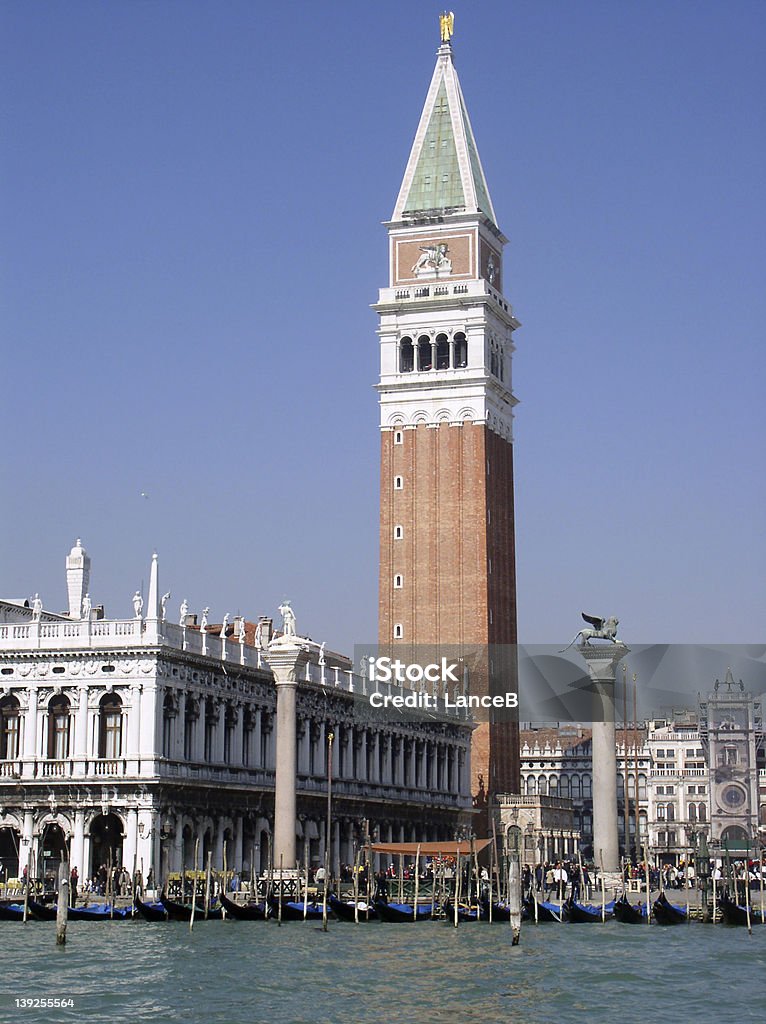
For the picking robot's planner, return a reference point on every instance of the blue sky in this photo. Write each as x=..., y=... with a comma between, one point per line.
x=191, y=206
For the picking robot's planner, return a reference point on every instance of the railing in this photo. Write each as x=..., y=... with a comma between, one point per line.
x=522, y=800
x=106, y=766
x=10, y=769
x=681, y=773
x=54, y=769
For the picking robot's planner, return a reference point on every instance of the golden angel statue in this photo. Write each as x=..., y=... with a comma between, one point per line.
x=446, y=25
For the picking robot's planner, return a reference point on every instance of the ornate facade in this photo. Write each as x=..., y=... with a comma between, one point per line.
x=131, y=738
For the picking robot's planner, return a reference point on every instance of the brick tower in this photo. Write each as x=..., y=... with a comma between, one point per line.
x=447, y=552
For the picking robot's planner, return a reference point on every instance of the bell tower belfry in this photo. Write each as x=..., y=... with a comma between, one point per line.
x=447, y=550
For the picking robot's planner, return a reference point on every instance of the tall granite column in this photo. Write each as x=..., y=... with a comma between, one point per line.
x=286, y=659
x=602, y=663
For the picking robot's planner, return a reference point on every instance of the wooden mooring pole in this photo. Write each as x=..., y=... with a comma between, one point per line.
x=63, y=903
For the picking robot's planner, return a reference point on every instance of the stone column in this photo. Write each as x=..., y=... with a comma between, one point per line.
x=80, y=750
x=78, y=843
x=287, y=660
x=30, y=734
x=601, y=662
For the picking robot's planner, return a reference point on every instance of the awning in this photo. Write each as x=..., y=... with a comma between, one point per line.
x=445, y=848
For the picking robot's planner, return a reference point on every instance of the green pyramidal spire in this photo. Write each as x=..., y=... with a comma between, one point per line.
x=444, y=172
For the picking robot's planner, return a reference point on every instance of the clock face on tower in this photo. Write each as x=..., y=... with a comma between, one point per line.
x=732, y=797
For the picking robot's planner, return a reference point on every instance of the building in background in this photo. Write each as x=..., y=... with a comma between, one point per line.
x=731, y=729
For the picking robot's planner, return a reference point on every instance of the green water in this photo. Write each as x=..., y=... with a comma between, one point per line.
x=253, y=973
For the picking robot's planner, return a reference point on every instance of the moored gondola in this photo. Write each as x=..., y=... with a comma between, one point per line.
x=668, y=913
x=582, y=913
x=150, y=911
x=629, y=913
x=734, y=913
x=293, y=910
x=347, y=912
x=398, y=913
x=42, y=911
x=12, y=912
x=465, y=914
x=99, y=912
x=244, y=911
x=546, y=912
x=182, y=911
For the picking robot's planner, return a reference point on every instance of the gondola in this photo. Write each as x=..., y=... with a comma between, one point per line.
x=465, y=914
x=668, y=913
x=581, y=913
x=150, y=911
x=734, y=913
x=398, y=913
x=182, y=911
x=546, y=912
x=501, y=912
x=42, y=911
x=629, y=913
x=346, y=912
x=294, y=911
x=244, y=911
x=98, y=912
x=12, y=912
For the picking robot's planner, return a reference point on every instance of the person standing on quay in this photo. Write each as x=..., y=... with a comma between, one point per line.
x=74, y=878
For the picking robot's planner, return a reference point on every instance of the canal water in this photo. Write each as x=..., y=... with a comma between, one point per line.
x=260, y=973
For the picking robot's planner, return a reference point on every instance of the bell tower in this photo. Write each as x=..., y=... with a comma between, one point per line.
x=447, y=550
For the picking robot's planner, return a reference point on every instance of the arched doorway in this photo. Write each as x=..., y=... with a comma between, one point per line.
x=9, y=852
x=188, y=848
x=105, y=842
x=52, y=850
x=734, y=834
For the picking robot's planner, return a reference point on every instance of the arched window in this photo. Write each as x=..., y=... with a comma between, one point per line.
x=461, y=350
x=442, y=352
x=425, y=358
x=398, y=532
x=642, y=787
x=398, y=581
x=692, y=812
x=661, y=812
x=110, y=726
x=191, y=714
x=398, y=631
x=564, y=787
x=671, y=812
x=168, y=719
x=230, y=727
x=211, y=720
x=59, y=714
x=701, y=812
x=576, y=787
x=531, y=786
x=406, y=356
x=9, y=728
x=553, y=785
x=586, y=787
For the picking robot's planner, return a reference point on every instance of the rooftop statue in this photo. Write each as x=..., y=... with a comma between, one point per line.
x=288, y=619
x=184, y=611
x=37, y=608
x=163, y=605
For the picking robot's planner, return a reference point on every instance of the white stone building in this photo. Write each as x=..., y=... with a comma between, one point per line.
x=131, y=738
